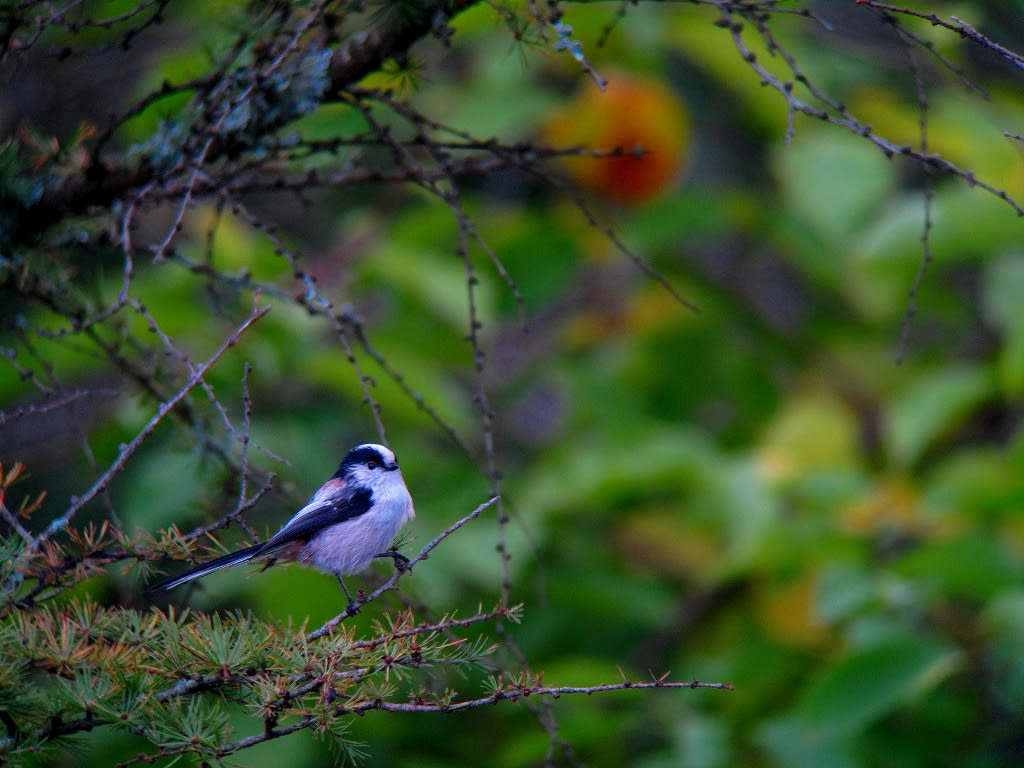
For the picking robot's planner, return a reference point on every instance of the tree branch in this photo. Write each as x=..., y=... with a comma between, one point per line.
x=129, y=449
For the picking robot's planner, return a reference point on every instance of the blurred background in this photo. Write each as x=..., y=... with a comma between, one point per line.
x=810, y=485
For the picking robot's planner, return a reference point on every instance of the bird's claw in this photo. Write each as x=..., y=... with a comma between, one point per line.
x=401, y=561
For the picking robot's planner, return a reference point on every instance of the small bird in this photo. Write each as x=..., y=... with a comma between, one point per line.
x=349, y=521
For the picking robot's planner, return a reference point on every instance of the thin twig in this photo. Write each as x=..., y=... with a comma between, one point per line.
x=129, y=449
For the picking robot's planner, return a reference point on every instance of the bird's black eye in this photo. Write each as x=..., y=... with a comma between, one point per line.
x=371, y=464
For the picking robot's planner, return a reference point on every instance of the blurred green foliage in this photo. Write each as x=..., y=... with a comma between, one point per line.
x=775, y=491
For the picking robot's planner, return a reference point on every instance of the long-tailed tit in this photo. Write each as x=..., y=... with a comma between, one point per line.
x=349, y=521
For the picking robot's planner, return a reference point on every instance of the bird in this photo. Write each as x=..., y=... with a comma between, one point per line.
x=350, y=520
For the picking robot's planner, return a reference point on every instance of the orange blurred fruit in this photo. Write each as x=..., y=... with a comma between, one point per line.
x=637, y=116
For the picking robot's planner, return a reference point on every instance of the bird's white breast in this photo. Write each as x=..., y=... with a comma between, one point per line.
x=351, y=545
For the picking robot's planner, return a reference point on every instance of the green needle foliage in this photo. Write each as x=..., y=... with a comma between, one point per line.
x=174, y=680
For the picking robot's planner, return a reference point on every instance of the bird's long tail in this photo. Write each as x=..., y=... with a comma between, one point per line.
x=241, y=556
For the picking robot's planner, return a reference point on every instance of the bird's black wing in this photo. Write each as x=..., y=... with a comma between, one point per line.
x=320, y=515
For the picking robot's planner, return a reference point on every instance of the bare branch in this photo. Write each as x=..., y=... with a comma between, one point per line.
x=129, y=449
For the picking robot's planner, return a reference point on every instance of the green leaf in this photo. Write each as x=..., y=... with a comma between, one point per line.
x=982, y=481
x=605, y=474
x=1002, y=287
x=810, y=432
x=971, y=567
x=792, y=745
x=966, y=226
x=703, y=742
x=930, y=407
x=844, y=170
x=845, y=590
x=864, y=686
x=1003, y=622
x=433, y=277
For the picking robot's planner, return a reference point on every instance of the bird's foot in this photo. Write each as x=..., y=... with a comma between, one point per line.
x=401, y=561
